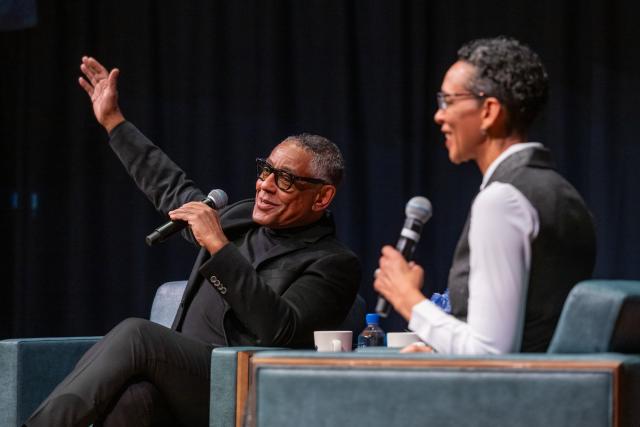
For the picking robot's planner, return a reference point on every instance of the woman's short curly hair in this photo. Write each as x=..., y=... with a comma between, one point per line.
x=511, y=72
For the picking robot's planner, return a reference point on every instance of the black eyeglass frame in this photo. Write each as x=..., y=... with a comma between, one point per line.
x=441, y=97
x=262, y=165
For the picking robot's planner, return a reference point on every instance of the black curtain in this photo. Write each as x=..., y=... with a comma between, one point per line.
x=217, y=83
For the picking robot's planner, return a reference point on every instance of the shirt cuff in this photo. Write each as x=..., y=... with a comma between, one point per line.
x=426, y=313
x=426, y=318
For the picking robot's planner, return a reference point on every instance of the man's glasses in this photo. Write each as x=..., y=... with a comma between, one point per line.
x=444, y=99
x=284, y=179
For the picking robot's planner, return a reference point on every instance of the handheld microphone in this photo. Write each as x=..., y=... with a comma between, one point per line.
x=217, y=199
x=418, y=212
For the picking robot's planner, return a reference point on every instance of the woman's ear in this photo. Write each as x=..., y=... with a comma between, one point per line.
x=493, y=116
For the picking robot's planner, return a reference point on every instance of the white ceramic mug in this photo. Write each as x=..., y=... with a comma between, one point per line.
x=401, y=339
x=336, y=341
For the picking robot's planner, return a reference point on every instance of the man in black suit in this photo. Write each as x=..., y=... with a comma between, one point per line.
x=269, y=273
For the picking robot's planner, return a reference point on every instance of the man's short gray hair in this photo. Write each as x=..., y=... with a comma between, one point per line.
x=327, y=163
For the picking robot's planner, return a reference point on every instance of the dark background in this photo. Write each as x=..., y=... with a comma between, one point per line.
x=216, y=83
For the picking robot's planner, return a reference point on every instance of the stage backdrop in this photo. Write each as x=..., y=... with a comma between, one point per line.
x=217, y=83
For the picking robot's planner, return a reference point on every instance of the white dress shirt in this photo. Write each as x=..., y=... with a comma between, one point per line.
x=503, y=225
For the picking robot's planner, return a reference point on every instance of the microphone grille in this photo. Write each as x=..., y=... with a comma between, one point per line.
x=419, y=208
x=219, y=198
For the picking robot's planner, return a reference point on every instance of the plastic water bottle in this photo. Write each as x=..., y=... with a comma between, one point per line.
x=372, y=335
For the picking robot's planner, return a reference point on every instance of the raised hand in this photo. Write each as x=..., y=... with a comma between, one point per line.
x=102, y=87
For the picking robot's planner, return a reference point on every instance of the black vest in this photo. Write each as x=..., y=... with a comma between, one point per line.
x=562, y=254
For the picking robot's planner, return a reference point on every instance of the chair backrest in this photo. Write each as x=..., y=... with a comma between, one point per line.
x=599, y=316
x=166, y=302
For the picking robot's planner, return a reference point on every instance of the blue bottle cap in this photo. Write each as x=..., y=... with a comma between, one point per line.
x=373, y=318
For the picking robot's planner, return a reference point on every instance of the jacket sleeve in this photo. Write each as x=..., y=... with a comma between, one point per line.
x=319, y=296
x=163, y=182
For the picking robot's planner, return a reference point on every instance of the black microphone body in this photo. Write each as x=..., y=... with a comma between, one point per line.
x=216, y=199
x=418, y=212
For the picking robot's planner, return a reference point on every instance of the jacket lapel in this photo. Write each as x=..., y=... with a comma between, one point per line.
x=279, y=250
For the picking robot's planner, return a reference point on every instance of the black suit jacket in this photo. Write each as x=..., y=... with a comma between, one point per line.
x=307, y=283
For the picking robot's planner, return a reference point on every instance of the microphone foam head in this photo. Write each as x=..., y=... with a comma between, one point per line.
x=219, y=198
x=419, y=208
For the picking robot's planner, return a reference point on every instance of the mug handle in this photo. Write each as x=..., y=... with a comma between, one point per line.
x=336, y=345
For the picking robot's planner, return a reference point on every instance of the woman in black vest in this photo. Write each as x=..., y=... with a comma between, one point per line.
x=529, y=236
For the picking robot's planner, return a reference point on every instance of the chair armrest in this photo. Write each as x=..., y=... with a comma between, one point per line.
x=378, y=389
x=230, y=383
x=30, y=369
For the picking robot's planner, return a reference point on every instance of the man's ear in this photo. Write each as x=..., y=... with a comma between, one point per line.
x=324, y=197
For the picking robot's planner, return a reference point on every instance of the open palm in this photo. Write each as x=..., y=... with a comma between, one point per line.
x=101, y=86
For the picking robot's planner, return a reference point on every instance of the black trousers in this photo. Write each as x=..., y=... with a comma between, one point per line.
x=139, y=374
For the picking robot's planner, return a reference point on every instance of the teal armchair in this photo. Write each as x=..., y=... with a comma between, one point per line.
x=30, y=368
x=590, y=376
